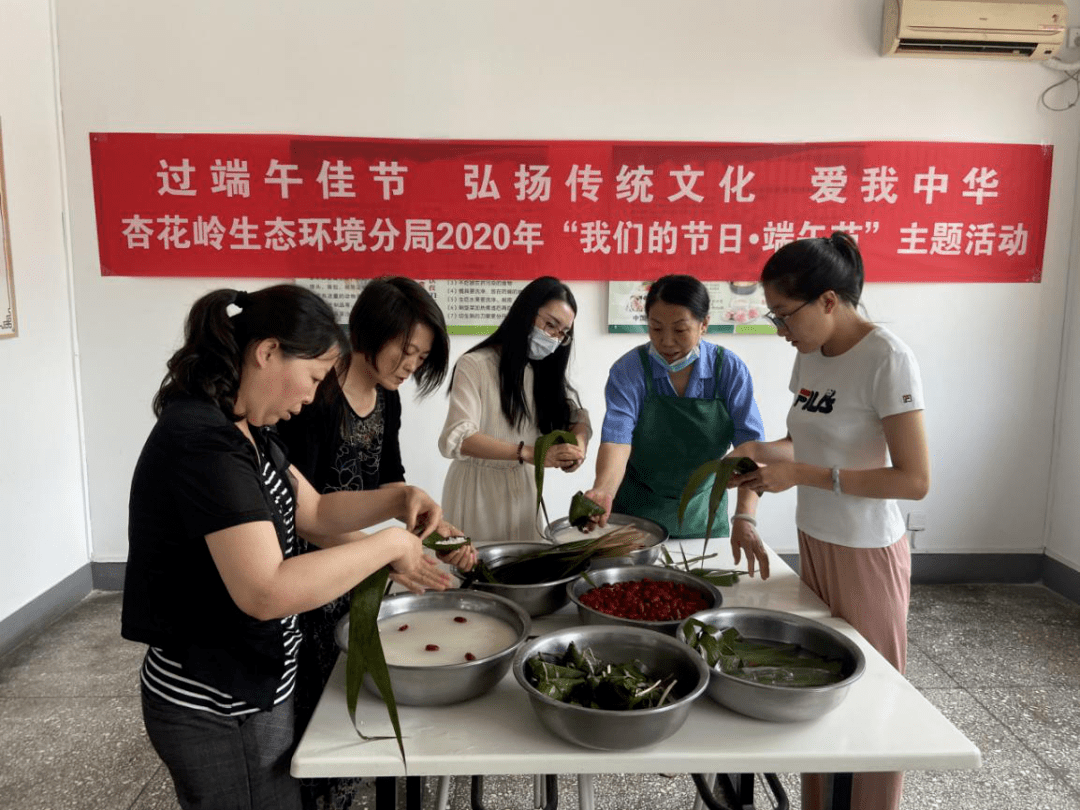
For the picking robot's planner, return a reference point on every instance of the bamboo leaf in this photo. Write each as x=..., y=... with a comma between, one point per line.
x=697, y=478
x=365, y=655
x=723, y=468
x=540, y=449
x=436, y=542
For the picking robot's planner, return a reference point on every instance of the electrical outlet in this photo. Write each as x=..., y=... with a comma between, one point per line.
x=916, y=521
x=1072, y=37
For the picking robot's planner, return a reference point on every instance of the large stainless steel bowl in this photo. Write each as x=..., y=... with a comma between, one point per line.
x=606, y=729
x=450, y=683
x=560, y=531
x=630, y=573
x=539, y=599
x=770, y=701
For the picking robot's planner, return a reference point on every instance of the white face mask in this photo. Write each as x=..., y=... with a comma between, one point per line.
x=541, y=344
x=679, y=364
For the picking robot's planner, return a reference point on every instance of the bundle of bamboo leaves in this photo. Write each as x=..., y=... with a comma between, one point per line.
x=561, y=561
x=759, y=661
x=580, y=678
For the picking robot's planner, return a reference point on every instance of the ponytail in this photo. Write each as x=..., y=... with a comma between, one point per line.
x=209, y=364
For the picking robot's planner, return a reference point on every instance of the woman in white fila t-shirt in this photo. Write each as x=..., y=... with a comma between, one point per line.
x=855, y=444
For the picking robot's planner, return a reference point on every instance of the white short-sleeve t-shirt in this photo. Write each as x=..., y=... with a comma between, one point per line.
x=835, y=421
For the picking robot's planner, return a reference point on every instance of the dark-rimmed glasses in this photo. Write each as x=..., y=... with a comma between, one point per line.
x=564, y=336
x=780, y=321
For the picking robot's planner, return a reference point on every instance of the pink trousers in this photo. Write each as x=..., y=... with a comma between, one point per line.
x=869, y=588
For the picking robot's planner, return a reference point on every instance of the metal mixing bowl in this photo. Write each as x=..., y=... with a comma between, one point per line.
x=656, y=535
x=539, y=599
x=630, y=573
x=450, y=683
x=770, y=701
x=606, y=729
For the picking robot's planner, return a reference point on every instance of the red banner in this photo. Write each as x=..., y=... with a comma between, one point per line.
x=316, y=207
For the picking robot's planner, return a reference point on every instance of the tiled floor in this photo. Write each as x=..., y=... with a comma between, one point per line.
x=1001, y=661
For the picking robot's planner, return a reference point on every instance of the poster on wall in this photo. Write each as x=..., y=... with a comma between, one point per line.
x=8, y=324
x=298, y=206
x=735, y=307
x=470, y=306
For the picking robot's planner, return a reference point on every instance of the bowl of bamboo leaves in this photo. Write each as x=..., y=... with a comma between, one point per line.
x=610, y=688
x=773, y=665
x=535, y=575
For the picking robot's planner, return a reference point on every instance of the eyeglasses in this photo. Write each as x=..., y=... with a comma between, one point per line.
x=552, y=329
x=780, y=321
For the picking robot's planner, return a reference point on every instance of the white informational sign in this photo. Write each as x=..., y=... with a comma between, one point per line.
x=8, y=326
x=471, y=307
x=734, y=307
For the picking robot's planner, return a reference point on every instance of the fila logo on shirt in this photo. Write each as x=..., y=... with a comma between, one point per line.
x=814, y=402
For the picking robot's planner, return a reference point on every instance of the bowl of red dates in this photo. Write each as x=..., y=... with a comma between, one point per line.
x=648, y=596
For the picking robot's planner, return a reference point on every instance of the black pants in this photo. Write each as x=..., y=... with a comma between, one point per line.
x=225, y=763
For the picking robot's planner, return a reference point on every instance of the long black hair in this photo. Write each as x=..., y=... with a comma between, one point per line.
x=209, y=364
x=551, y=391
x=389, y=309
x=807, y=268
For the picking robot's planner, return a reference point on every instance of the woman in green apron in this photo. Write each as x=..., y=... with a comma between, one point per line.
x=673, y=404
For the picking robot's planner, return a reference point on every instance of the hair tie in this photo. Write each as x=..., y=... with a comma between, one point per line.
x=242, y=299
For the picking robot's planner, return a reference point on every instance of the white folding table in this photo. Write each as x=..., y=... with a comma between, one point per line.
x=884, y=723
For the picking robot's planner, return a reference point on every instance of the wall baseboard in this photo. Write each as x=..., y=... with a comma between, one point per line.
x=1059, y=578
x=1012, y=569
x=47, y=608
x=936, y=569
x=109, y=576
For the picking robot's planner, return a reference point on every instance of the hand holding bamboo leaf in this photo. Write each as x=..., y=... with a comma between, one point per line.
x=545, y=455
x=723, y=469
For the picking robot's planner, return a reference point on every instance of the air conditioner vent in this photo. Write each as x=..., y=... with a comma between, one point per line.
x=1008, y=30
x=966, y=46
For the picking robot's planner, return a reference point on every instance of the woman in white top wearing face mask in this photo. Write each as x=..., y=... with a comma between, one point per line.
x=504, y=394
x=673, y=404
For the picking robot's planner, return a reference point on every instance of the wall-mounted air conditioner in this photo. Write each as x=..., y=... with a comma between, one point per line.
x=996, y=29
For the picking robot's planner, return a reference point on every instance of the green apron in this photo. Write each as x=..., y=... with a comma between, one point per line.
x=672, y=438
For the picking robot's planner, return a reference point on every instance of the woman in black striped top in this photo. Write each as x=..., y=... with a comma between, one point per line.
x=213, y=581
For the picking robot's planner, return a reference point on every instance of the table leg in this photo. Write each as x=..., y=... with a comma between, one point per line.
x=385, y=793
x=414, y=792
x=706, y=787
x=838, y=787
x=586, y=786
x=551, y=790
x=736, y=790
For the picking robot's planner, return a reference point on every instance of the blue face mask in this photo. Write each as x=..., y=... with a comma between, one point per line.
x=679, y=364
x=541, y=344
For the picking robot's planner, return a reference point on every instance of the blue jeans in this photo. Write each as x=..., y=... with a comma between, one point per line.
x=225, y=763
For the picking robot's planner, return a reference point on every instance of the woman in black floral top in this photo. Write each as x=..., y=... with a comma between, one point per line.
x=348, y=440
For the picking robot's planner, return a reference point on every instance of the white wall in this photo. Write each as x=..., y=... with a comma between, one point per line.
x=768, y=70
x=42, y=505
x=1063, y=536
